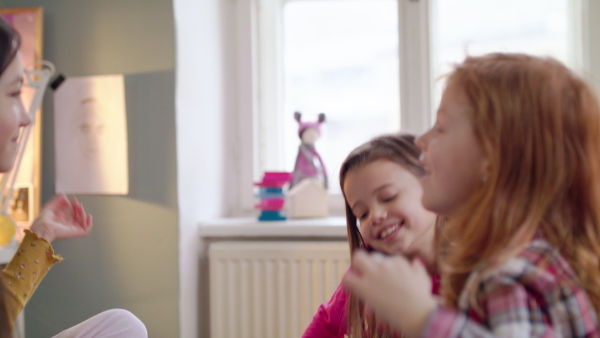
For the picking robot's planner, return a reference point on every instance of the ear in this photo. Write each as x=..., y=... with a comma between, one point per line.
x=321, y=117
x=297, y=116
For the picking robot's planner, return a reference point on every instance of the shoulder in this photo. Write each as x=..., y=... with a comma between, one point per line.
x=538, y=265
x=540, y=282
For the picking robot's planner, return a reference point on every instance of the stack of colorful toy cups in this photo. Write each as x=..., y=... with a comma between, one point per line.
x=271, y=196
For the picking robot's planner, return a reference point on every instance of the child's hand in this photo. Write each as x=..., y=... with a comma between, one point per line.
x=397, y=290
x=61, y=219
x=379, y=322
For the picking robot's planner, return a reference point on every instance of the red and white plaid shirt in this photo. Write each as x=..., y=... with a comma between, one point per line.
x=535, y=294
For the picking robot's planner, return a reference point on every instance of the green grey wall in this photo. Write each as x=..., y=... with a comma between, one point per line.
x=130, y=260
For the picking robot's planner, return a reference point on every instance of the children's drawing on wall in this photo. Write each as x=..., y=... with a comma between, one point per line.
x=89, y=128
x=91, y=136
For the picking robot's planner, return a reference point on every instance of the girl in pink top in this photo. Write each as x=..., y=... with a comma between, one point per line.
x=382, y=193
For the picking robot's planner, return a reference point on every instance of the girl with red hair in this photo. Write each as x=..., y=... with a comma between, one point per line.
x=513, y=165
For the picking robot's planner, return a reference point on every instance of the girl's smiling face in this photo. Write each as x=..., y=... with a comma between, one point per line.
x=386, y=199
x=13, y=115
x=454, y=161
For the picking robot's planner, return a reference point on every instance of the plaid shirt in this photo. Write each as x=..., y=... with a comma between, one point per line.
x=535, y=294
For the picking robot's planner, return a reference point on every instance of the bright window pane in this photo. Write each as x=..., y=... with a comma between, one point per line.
x=340, y=57
x=475, y=27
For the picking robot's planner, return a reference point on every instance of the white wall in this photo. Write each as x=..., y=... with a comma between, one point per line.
x=199, y=104
x=204, y=103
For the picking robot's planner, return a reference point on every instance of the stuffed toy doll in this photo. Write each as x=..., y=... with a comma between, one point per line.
x=308, y=162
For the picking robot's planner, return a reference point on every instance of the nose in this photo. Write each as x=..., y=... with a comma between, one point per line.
x=421, y=141
x=24, y=117
x=378, y=216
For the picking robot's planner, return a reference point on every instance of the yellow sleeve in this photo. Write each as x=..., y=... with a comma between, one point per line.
x=33, y=259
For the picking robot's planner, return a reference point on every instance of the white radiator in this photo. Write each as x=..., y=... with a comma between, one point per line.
x=271, y=289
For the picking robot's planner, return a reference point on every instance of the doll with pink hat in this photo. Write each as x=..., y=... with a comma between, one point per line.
x=308, y=162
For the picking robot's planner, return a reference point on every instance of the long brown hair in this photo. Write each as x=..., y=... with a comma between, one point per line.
x=539, y=127
x=399, y=148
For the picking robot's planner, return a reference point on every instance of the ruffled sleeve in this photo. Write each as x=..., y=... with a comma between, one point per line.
x=32, y=260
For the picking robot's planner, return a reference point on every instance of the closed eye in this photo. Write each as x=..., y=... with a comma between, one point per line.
x=389, y=199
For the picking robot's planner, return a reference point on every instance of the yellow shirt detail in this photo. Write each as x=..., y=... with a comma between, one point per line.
x=33, y=259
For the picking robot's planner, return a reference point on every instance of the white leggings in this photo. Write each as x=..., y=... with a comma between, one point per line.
x=110, y=323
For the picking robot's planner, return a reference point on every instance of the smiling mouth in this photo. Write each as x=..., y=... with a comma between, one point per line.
x=384, y=234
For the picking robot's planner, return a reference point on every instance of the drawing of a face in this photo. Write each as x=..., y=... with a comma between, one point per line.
x=91, y=127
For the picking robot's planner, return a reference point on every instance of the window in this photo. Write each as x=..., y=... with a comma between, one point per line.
x=372, y=66
x=540, y=27
x=340, y=58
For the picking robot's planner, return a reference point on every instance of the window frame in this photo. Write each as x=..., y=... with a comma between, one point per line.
x=259, y=96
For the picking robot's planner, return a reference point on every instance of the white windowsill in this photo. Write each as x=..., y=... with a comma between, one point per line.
x=250, y=227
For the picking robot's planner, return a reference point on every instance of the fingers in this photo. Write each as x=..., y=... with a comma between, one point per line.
x=359, y=261
x=79, y=217
x=368, y=314
x=362, y=264
x=418, y=263
x=382, y=325
x=89, y=223
x=81, y=220
x=61, y=205
x=419, y=266
x=352, y=279
x=57, y=203
x=371, y=317
x=364, y=260
x=87, y=219
x=395, y=290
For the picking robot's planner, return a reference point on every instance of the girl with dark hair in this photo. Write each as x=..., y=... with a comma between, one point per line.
x=58, y=219
x=382, y=193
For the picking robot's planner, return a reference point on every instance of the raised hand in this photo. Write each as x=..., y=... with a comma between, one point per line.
x=62, y=219
x=380, y=324
x=395, y=289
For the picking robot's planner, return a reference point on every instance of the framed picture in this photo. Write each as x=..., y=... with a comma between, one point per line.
x=20, y=206
x=28, y=21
